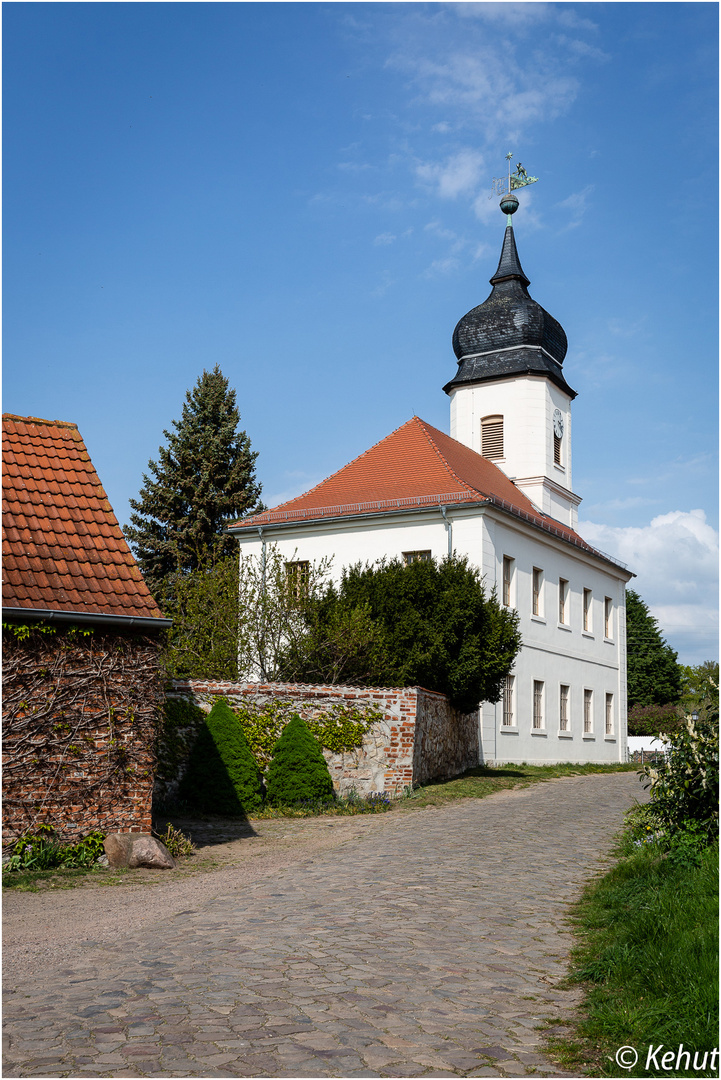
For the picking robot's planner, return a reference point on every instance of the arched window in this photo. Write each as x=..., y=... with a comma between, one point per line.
x=492, y=437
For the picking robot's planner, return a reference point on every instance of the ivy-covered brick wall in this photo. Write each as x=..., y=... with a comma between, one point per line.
x=373, y=739
x=80, y=713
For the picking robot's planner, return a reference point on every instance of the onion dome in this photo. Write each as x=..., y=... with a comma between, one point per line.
x=509, y=333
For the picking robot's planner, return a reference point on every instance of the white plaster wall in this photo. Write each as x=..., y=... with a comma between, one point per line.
x=551, y=653
x=527, y=405
x=554, y=653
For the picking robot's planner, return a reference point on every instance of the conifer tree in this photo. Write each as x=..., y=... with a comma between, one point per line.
x=203, y=479
x=654, y=676
x=298, y=769
x=222, y=775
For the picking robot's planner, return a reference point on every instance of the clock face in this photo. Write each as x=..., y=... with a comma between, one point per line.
x=558, y=423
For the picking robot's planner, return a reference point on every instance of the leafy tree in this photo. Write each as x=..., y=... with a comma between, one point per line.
x=655, y=719
x=274, y=603
x=203, y=640
x=204, y=478
x=699, y=686
x=429, y=624
x=298, y=769
x=654, y=677
x=222, y=775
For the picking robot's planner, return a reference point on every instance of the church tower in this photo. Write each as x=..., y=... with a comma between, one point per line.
x=510, y=401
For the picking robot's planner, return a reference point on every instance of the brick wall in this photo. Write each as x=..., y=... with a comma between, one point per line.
x=419, y=738
x=80, y=712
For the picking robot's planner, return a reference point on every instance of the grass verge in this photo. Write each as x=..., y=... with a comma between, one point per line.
x=648, y=960
x=482, y=781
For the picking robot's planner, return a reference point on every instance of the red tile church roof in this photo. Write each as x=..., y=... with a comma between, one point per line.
x=415, y=465
x=63, y=550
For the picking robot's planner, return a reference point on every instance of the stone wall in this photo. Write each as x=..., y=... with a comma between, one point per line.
x=419, y=738
x=80, y=711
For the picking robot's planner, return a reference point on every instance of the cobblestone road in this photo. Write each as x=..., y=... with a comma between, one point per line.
x=431, y=946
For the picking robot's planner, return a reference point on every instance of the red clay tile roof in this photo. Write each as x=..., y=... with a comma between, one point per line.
x=63, y=549
x=415, y=465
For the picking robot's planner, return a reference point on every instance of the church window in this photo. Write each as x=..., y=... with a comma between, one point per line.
x=609, y=714
x=508, y=701
x=556, y=450
x=537, y=704
x=587, y=595
x=562, y=601
x=587, y=712
x=492, y=437
x=608, y=617
x=297, y=577
x=563, y=709
x=537, y=586
x=507, y=580
x=416, y=556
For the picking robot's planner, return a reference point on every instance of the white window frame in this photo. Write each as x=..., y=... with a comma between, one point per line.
x=564, y=708
x=417, y=556
x=507, y=580
x=587, y=611
x=537, y=592
x=608, y=618
x=587, y=711
x=537, y=721
x=508, y=719
x=563, y=601
x=609, y=722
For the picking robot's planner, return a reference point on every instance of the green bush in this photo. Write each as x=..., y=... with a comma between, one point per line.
x=222, y=775
x=654, y=719
x=43, y=850
x=685, y=787
x=429, y=624
x=298, y=770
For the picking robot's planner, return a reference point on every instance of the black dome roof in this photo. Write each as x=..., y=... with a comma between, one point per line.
x=509, y=333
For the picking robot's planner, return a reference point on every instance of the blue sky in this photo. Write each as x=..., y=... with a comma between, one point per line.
x=299, y=193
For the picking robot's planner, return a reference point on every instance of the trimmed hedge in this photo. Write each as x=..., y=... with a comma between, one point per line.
x=222, y=775
x=298, y=770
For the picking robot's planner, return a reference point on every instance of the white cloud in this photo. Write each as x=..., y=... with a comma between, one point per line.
x=675, y=558
x=458, y=175
x=518, y=16
x=577, y=204
x=385, y=238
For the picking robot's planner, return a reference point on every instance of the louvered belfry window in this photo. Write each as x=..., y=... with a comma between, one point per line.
x=492, y=437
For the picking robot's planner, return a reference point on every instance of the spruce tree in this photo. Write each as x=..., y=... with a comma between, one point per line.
x=654, y=676
x=298, y=769
x=203, y=479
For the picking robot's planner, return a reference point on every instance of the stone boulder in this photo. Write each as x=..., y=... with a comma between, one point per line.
x=137, y=849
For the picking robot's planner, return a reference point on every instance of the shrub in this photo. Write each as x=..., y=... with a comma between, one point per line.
x=222, y=775
x=177, y=843
x=685, y=787
x=298, y=770
x=428, y=624
x=44, y=850
x=654, y=719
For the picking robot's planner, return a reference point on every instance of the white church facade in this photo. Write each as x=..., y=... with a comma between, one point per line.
x=498, y=490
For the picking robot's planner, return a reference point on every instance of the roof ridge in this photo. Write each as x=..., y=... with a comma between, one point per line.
x=40, y=420
x=425, y=425
x=359, y=457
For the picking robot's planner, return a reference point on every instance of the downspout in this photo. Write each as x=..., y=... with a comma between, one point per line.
x=261, y=650
x=449, y=527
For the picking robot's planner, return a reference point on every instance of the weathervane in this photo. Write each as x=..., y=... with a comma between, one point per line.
x=506, y=185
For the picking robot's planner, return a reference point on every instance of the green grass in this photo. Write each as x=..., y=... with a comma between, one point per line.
x=59, y=878
x=482, y=781
x=648, y=958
